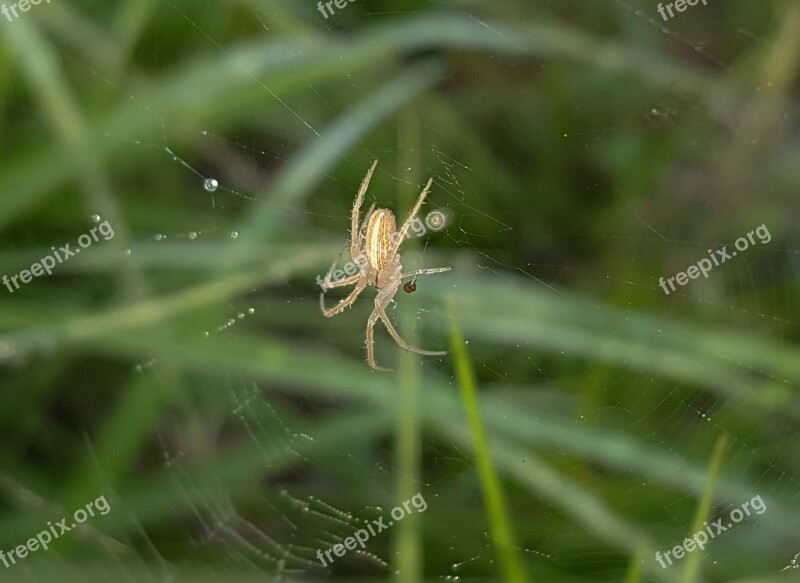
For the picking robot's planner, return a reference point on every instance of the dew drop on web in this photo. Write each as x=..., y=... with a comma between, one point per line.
x=210, y=184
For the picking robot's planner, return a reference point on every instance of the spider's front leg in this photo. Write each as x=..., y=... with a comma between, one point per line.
x=354, y=214
x=401, y=234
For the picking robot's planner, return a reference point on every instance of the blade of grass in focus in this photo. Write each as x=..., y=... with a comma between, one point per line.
x=691, y=566
x=634, y=574
x=496, y=510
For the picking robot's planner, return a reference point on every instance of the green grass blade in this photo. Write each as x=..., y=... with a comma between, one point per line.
x=691, y=567
x=496, y=511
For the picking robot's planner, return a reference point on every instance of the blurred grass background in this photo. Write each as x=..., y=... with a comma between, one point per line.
x=583, y=149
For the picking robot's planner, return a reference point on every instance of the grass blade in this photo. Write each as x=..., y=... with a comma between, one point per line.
x=497, y=513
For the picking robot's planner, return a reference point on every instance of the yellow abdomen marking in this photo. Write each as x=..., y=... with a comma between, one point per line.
x=378, y=243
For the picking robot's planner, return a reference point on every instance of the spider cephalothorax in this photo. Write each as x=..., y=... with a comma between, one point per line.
x=374, y=247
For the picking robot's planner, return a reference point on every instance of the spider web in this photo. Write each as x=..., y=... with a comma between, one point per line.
x=221, y=172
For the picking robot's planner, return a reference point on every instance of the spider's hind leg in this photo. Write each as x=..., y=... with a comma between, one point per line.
x=399, y=340
x=373, y=318
x=344, y=302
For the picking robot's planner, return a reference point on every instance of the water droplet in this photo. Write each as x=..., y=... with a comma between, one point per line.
x=231, y=322
x=95, y=218
x=234, y=234
x=251, y=310
x=210, y=184
x=205, y=334
x=193, y=235
x=127, y=252
x=158, y=237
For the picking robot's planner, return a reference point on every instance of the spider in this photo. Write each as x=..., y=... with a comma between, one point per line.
x=374, y=247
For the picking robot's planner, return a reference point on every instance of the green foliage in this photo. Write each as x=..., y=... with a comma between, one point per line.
x=583, y=152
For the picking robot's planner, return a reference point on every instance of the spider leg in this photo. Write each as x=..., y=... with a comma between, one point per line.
x=373, y=317
x=362, y=232
x=344, y=302
x=384, y=297
x=354, y=216
x=328, y=284
x=425, y=272
x=400, y=342
x=406, y=225
x=341, y=282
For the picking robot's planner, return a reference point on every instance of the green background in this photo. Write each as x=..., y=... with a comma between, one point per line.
x=582, y=420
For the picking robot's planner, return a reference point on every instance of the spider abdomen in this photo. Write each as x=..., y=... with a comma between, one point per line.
x=379, y=238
